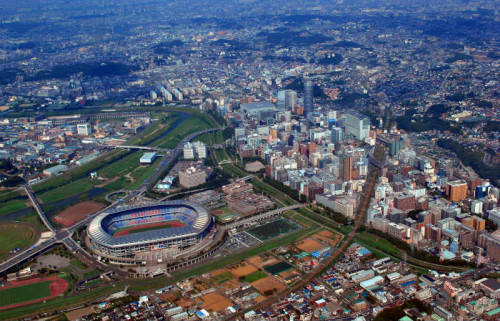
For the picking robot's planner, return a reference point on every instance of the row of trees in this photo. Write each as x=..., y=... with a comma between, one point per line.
x=336, y=216
x=285, y=189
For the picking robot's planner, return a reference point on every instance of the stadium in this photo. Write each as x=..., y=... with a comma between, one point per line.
x=125, y=232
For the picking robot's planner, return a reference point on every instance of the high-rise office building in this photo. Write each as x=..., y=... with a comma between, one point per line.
x=308, y=97
x=337, y=134
x=280, y=99
x=357, y=126
x=290, y=99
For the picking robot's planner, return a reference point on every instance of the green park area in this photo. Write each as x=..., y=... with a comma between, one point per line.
x=257, y=275
x=223, y=277
x=120, y=168
x=191, y=124
x=14, y=314
x=378, y=243
x=13, y=205
x=215, y=138
x=24, y=293
x=13, y=235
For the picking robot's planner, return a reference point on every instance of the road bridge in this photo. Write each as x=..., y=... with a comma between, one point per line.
x=150, y=148
x=38, y=208
x=63, y=236
x=246, y=178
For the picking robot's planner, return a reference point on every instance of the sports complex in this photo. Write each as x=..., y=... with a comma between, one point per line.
x=126, y=231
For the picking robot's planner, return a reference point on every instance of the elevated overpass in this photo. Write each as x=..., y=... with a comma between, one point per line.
x=38, y=208
x=63, y=236
x=264, y=216
x=149, y=148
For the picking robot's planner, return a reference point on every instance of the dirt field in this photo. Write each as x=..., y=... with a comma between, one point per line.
x=170, y=296
x=242, y=269
x=184, y=302
x=327, y=236
x=309, y=245
x=262, y=260
x=77, y=212
x=78, y=313
x=268, y=284
x=289, y=273
x=228, y=285
x=215, y=302
x=57, y=287
x=259, y=299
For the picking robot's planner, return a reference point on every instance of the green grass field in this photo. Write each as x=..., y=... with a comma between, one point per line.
x=79, y=172
x=12, y=206
x=13, y=314
x=278, y=267
x=14, y=235
x=25, y=293
x=78, y=264
x=224, y=277
x=156, y=130
x=141, y=173
x=91, y=273
x=93, y=283
x=117, y=185
x=8, y=195
x=76, y=187
x=272, y=229
x=257, y=275
x=210, y=138
x=190, y=125
x=121, y=167
x=378, y=243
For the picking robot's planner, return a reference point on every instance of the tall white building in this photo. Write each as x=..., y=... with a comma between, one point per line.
x=357, y=126
x=84, y=129
x=188, y=151
x=476, y=207
x=178, y=94
x=290, y=99
x=193, y=150
x=200, y=149
x=166, y=94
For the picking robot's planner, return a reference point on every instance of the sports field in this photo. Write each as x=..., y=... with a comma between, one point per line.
x=24, y=293
x=257, y=275
x=277, y=268
x=77, y=213
x=13, y=235
x=272, y=229
x=147, y=227
x=30, y=291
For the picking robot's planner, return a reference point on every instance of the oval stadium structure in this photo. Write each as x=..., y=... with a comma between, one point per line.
x=126, y=231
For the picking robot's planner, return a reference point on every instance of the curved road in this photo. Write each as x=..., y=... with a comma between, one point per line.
x=63, y=235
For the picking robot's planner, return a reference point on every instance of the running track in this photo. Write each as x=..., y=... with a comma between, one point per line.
x=57, y=287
